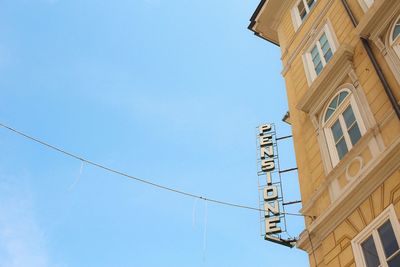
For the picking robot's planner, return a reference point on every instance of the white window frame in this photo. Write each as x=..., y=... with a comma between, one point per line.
x=388, y=214
x=307, y=58
x=391, y=49
x=395, y=43
x=338, y=114
x=365, y=4
x=297, y=21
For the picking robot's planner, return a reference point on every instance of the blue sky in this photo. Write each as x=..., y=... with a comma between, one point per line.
x=169, y=91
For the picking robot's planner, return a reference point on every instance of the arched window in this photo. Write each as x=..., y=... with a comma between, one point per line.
x=395, y=37
x=343, y=126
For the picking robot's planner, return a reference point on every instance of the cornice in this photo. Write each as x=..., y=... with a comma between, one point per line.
x=271, y=11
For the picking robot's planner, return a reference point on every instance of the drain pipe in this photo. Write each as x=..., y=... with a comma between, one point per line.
x=378, y=69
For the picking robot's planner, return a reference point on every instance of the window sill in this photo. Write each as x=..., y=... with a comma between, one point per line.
x=330, y=77
x=382, y=166
x=340, y=168
x=352, y=153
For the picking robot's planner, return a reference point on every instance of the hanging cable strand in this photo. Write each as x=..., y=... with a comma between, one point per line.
x=111, y=170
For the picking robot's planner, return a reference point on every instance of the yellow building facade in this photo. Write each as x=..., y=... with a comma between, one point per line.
x=341, y=65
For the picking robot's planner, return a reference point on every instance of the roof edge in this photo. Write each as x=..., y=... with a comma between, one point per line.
x=253, y=23
x=257, y=11
x=250, y=27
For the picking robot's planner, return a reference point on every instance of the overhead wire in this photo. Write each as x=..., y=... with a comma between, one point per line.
x=111, y=170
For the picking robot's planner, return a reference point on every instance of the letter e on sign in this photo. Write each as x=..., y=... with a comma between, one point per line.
x=271, y=225
x=266, y=140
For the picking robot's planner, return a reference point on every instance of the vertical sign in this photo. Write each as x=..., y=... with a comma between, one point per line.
x=270, y=185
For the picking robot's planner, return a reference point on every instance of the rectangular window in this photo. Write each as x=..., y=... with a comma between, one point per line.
x=379, y=243
x=385, y=238
x=316, y=59
x=301, y=10
x=325, y=47
x=319, y=53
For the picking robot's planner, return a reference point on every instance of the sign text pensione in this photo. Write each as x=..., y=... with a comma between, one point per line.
x=270, y=192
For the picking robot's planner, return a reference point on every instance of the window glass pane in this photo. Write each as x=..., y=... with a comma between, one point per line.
x=340, y=143
x=327, y=52
x=388, y=239
x=314, y=52
x=328, y=56
x=334, y=103
x=316, y=60
x=302, y=10
x=395, y=261
x=348, y=116
x=318, y=68
x=370, y=254
x=337, y=131
x=351, y=124
x=396, y=30
x=323, y=39
x=329, y=113
x=341, y=148
x=342, y=96
x=325, y=46
x=354, y=133
x=310, y=3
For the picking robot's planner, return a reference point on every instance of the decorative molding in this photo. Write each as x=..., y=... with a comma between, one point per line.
x=338, y=170
x=354, y=78
x=349, y=177
x=381, y=45
x=383, y=166
x=388, y=117
x=377, y=18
